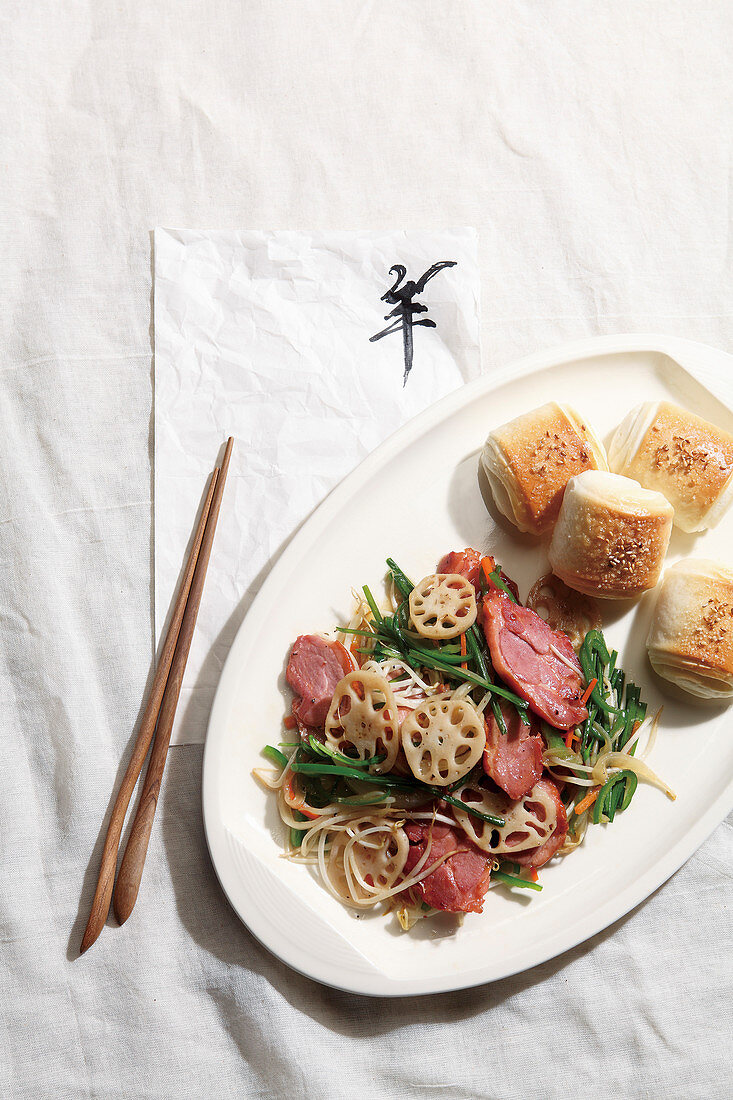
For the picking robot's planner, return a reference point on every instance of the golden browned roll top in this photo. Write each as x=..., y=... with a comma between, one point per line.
x=611, y=536
x=529, y=461
x=688, y=459
x=690, y=641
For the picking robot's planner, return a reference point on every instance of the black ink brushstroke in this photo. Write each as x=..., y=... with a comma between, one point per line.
x=401, y=297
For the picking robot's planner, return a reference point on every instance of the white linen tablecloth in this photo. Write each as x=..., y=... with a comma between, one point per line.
x=589, y=144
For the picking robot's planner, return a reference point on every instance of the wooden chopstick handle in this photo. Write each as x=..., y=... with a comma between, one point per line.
x=105, y=882
x=133, y=861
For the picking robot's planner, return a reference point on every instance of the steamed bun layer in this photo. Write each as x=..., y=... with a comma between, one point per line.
x=529, y=461
x=686, y=458
x=690, y=640
x=611, y=536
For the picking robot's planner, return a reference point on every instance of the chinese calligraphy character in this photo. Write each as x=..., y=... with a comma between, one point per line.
x=405, y=309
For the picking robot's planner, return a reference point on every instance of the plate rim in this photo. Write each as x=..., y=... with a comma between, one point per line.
x=374, y=982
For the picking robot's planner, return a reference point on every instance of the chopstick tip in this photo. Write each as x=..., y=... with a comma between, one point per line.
x=227, y=455
x=87, y=941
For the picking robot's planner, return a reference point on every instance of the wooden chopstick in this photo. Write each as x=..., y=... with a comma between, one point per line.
x=133, y=861
x=105, y=881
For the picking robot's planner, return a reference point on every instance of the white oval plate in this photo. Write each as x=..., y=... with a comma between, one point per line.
x=415, y=498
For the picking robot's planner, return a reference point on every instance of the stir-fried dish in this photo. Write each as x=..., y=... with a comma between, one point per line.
x=449, y=739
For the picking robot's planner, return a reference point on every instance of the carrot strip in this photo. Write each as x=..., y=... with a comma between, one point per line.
x=488, y=565
x=290, y=796
x=464, y=664
x=296, y=801
x=289, y=722
x=533, y=876
x=570, y=736
x=587, y=802
x=588, y=691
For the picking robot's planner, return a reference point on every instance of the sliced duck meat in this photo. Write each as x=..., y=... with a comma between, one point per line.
x=315, y=668
x=458, y=885
x=537, y=662
x=402, y=713
x=468, y=564
x=513, y=759
x=537, y=857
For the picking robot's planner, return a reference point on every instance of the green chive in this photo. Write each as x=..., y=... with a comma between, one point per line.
x=361, y=799
x=594, y=658
x=555, y=742
x=275, y=755
x=474, y=649
x=497, y=580
x=632, y=782
x=473, y=645
x=613, y=800
x=296, y=835
x=404, y=584
x=471, y=678
x=388, y=782
x=308, y=768
x=601, y=806
x=492, y=819
x=372, y=605
x=433, y=654
x=514, y=880
x=318, y=748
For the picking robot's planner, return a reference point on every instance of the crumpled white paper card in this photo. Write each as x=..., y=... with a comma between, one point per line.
x=266, y=337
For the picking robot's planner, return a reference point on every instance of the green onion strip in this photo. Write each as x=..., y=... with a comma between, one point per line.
x=514, y=880
x=389, y=782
